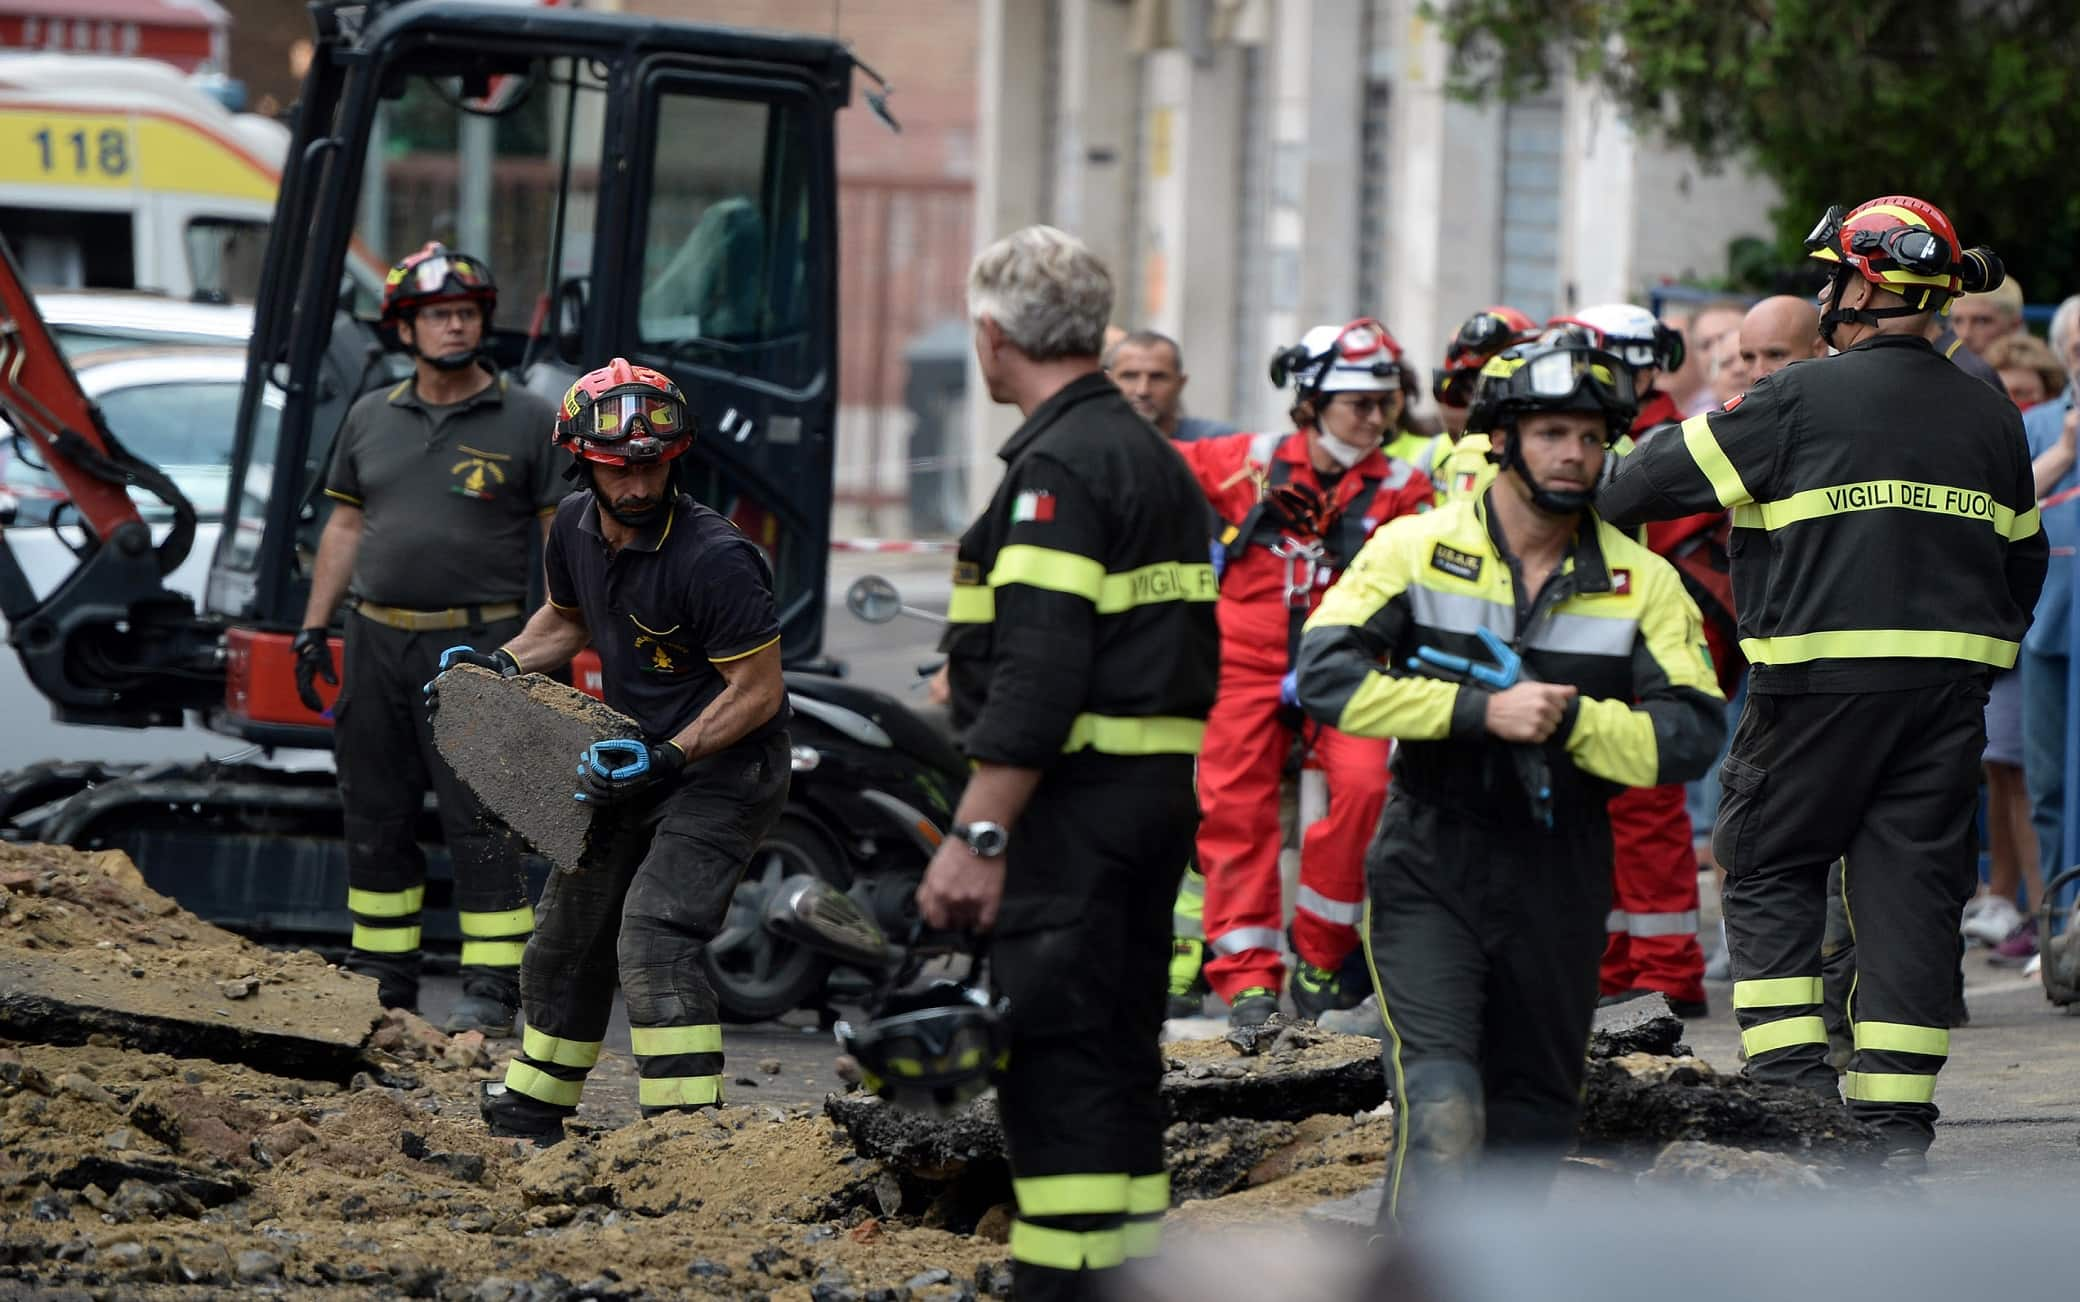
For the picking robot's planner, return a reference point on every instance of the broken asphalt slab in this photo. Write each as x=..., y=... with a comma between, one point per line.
x=516, y=742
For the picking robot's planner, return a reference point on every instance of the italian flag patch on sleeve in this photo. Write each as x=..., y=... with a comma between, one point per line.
x=1032, y=507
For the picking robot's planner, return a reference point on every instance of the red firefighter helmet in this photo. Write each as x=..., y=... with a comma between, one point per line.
x=1896, y=242
x=1479, y=337
x=435, y=274
x=622, y=414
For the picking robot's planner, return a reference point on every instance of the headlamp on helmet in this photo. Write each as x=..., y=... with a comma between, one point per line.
x=1360, y=357
x=1901, y=244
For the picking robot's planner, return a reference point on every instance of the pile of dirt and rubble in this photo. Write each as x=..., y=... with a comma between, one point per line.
x=138, y=1165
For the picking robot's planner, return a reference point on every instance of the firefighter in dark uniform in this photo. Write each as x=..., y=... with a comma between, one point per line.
x=1490, y=875
x=1083, y=655
x=679, y=606
x=436, y=485
x=1886, y=556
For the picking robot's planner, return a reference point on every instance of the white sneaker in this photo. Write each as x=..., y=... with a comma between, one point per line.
x=1995, y=921
x=2035, y=964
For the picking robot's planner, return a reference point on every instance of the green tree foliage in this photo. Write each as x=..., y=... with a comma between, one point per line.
x=1970, y=104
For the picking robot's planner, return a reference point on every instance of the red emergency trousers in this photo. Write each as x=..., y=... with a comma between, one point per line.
x=1247, y=740
x=1652, y=942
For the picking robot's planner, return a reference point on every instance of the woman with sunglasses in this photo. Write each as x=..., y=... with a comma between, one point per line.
x=1298, y=506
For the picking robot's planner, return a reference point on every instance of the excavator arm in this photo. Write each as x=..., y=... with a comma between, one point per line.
x=110, y=644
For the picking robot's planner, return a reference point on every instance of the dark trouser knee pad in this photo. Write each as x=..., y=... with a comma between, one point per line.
x=1444, y=1128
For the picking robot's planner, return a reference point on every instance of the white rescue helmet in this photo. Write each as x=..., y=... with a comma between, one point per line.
x=1359, y=357
x=1635, y=335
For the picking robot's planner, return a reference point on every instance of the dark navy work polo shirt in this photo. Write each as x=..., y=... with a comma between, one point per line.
x=685, y=595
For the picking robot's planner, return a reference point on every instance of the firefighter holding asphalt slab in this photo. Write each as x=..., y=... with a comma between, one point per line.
x=1531, y=660
x=1886, y=555
x=679, y=606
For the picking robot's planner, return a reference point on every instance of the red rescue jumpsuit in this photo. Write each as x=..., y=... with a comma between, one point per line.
x=1652, y=926
x=1264, y=597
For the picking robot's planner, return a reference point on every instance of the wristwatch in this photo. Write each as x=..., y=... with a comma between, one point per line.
x=986, y=840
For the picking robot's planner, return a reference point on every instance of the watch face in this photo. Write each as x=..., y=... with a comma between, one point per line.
x=986, y=839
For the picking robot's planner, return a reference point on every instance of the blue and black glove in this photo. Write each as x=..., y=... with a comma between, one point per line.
x=1289, y=689
x=614, y=772
x=500, y=662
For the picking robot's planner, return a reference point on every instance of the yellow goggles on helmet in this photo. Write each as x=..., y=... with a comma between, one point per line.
x=617, y=416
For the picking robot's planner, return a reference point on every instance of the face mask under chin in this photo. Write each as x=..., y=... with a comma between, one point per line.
x=1342, y=453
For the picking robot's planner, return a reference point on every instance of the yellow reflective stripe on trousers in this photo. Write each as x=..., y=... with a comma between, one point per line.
x=1880, y=643
x=1900, y=1037
x=1040, y=1245
x=1776, y=992
x=1148, y=1193
x=493, y=953
x=385, y=904
x=657, y=1041
x=386, y=940
x=543, y=1047
x=1782, y=1034
x=1148, y=735
x=1154, y=584
x=679, y=1091
x=510, y=922
x=1071, y=1195
x=1045, y=567
x=971, y=603
x=1711, y=459
x=1884, y=495
x=540, y=1085
x=1142, y=1239
x=1888, y=1087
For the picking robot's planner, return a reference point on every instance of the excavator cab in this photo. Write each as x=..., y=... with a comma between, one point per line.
x=655, y=190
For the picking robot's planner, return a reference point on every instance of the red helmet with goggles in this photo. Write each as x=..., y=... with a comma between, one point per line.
x=622, y=414
x=436, y=274
x=1479, y=337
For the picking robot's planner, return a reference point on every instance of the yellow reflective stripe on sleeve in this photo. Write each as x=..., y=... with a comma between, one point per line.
x=1411, y=709
x=1888, y=1087
x=1154, y=584
x=540, y=1085
x=1711, y=459
x=1776, y=992
x=385, y=904
x=1040, y=1245
x=1148, y=1193
x=971, y=603
x=543, y=1047
x=1782, y=1034
x=1880, y=643
x=493, y=953
x=745, y=655
x=656, y=1041
x=679, y=1091
x=1888, y=494
x=512, y=922
x=1071, y=1195
x=1900, y=1037
x=1147, y=735
x=386, y=940
x=338, y=496
x=1046, y=567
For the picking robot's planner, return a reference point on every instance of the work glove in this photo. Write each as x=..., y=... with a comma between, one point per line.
x=500, y=662
x=614, y=772
x=313, y=651
x=1289, y=689
x=1299, y=508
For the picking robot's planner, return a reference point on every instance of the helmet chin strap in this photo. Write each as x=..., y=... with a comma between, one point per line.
x=1552, y=501
x=1874, y=317
x=449, y=361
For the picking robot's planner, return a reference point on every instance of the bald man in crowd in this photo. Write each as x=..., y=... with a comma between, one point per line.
x=1777, y=332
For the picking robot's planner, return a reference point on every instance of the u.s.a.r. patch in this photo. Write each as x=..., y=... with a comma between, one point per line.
x=1463, y=565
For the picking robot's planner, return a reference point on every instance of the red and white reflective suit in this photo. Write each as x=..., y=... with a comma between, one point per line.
x=1652, y=942
x=1264, y=596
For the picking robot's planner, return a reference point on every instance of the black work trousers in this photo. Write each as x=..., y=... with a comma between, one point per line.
x=645, y=914
x=383, y=748
x=1081, y=951
x=1888, y=783
x=1485, y=941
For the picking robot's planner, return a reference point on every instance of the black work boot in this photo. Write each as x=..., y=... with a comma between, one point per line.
x=516, y=1116
x=490, y=999
x=396, y=976
x=1253, y=1007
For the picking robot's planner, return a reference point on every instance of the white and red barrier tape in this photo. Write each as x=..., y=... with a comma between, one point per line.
x=897, y=546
